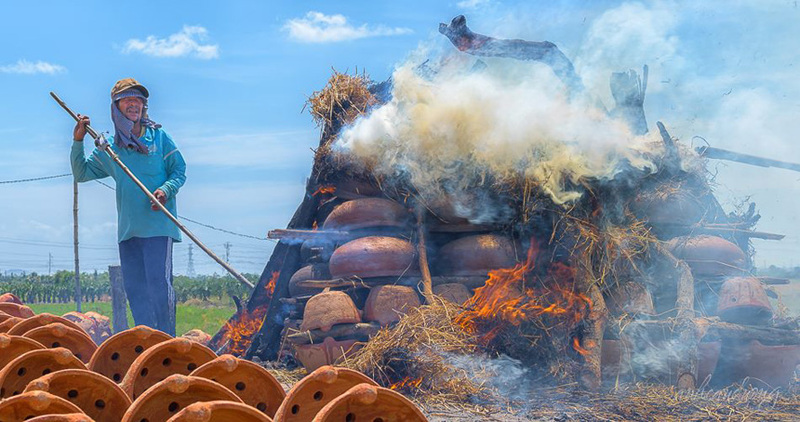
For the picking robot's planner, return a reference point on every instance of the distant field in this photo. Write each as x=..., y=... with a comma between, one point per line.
x=207, y=316
x=790, y=296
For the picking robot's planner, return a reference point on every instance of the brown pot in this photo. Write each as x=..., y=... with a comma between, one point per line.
x=96, y=395
x=329, y=352
x=366, y=213
x=176, y=356
x=309, y=272
x=15, y=309
x=370, y=403
x=166, y=398
x=453, y=292
x=219, y=411
x=31, y=365
x=60, y=335
x=475, y=255
x=708, y=355
x=10, y=297
x=26, y=406
x=113, y=358
x=198, y=336
x=69, y=417
x=709, y=256
x=630, y=298
x=743, y=300
x=13, y=346
x=4, y=316
x=41, y=320
x=251, y=382
x=374, y=256
x=386, y=304
x=9, y=323
x=317, y=389
x=326, y=309
x=676, y=207
x=97, y=326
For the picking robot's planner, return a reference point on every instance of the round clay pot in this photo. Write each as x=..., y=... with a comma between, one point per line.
x=4, y=316
x=374, y=256
x=96, y=395
x=31, y=365
x=630, y=298
x=329, y=352
x=197, y=336
x=219, y=411
x=743, y=300
x=309, y=272
x=453, y=292
x=317, y=389
x=10, y=297
x=676, y=207
x=326, y=309
x=366, y=402
x=9, y=323
x=69, y=417
x=709, y=255
x=24, y=407
x=15, y=309
x=41, y=320
x=475, y=255
x=176, y=356
x=366, y=213
x=166, y=398
x=13, y=346
x=248, y=380
x=386, y=304
x=60, y=335
x=97, y=326
x=113, y=358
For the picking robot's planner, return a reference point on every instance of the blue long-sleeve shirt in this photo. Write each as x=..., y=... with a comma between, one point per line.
x=163, y=168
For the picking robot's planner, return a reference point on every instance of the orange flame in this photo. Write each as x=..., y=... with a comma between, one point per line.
x=270, y=286
x=406, y=384
x=314, y=225
x=322, y=190
x=239, y=331
x=576, y=344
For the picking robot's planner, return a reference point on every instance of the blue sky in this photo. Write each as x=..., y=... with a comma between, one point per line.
x=229, y=80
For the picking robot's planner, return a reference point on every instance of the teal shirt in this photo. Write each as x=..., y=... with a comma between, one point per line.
x=163, y=168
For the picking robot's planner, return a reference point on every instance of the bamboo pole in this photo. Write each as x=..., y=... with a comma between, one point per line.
x=78, y=294
x=427, y=283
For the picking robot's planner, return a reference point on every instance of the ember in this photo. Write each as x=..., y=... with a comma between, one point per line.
x=322, y=190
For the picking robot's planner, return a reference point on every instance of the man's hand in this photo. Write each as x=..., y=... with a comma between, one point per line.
x=80, y=128
x=161, y=196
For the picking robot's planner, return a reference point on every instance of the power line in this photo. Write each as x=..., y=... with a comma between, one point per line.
x=35, y=179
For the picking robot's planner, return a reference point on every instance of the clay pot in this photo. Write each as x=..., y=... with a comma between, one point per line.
x=615, y=359
x=329, y=352
x=8, y=323
x=69, y=417
x=453, y=292
x=743, y=300
x=709, y=256
x=317, y=389
x=96, y=395
x=4, y=316
x=97, y=326
x=166, y=398
x=767, y=367
x=31, y=365
x=219, y=411
x=367, y=213
x=198, y=336
x=10, y=297
x=60, y=335
x=386, y=304
x=677, y=207
x=15, y=309
x=41, y=320
x=326, y=309
x=374, y=256
x=176, y=356
x=13, y=346
x=113, y=358
x=26, y=406
x=309, y=272
x=370, y=403
x=250, y=381
x=630, y=298
x=708, y=355
x=475, y=255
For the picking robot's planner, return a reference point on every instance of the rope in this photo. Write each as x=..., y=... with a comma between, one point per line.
x=34, y=179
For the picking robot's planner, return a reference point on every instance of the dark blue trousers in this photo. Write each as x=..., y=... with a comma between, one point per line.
x=147, y=273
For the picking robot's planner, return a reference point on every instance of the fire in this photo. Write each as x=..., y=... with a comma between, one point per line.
x=576, y=344
x=406, y=384
x=314, y=225
x=322, y=190
x=270, y=286
x=240, y=330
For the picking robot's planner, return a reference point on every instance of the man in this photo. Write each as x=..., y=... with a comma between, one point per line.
x=145, y=237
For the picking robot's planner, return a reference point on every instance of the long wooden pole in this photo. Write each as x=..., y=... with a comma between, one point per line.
x=101, y=143
x=78, y=294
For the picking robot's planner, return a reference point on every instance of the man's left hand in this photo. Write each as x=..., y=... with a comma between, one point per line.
x=161, y=196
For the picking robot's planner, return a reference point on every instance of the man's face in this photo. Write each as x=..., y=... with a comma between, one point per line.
x=131, y=107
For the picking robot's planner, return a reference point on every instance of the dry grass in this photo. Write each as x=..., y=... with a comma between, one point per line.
x=342, y=100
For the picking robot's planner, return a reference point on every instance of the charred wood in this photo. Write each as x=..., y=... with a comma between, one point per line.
x=628, y=90
x=360, y=331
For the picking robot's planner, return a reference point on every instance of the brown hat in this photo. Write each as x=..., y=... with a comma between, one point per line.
x=126, y=84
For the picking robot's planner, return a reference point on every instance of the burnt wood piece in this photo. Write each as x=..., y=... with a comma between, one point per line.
x=301, y=235
x=628, y=90
x=730, y=231
x=710, y=330
x=359, y=282
x=360, y=331
x=119, y=302
x=672, y=158
x=541, y=51
x=590, y=375
x=422, y=254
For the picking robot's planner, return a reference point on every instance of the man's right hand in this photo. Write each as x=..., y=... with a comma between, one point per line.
x=80, y=128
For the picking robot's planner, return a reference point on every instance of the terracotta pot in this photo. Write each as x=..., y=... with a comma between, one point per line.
x=374, y=256
x=743, y=300
x=677, y=207
x=708, y=355
x=60, y=335
x=326, y=309
x=615, y=359
x=166, y=398
x=31, y=365
x=8, y=323
x=219, y=411
x=26, y=406
x=41, y=320
x=709, y=255
x=767, y=367
x=453, y=292
x=15, y=309
x=69, y=417
x=386, y=304
x=97, y=326
x=10, y=297
x=4, y=316
x=329, y=352
x=630, y=298
x=312, y=393
x=13, y=346
x=176, y=356
x=113, y=358
x=367, y=213
x=96, y=395
x=370, y=403
x=250, y=381
x=309, y=272
x=475, y=255
x=198, y=336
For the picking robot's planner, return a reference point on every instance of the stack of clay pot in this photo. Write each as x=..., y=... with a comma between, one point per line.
x=52, y=370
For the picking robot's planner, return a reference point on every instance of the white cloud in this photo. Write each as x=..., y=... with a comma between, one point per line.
x=316, y=27
x=472, y=4
x=189, y=41
x=23, y=66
